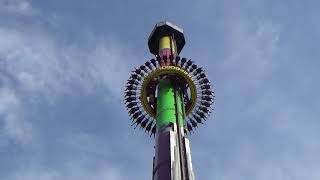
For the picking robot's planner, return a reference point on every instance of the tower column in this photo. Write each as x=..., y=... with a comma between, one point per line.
x=169, y=97
x=171, y=160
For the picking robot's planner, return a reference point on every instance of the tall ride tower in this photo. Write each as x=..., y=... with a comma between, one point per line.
x=169, y=97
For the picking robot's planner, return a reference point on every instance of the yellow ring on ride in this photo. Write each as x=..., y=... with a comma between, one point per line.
x=164, y=71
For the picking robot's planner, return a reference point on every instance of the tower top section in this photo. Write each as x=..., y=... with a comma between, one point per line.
x=165, y=28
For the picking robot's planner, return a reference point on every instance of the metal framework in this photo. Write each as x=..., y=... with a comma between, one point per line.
x=169, y=97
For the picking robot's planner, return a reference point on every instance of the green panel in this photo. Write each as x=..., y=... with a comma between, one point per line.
x=165, y=104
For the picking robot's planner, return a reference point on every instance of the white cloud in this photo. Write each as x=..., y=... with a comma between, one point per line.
x=87, y=157
x=41, y=65
x=15, y=127
x=35, y=67
x=251, y=47
x=22, y=7
x=86, y=144
x=76, y=170
x=261, y=129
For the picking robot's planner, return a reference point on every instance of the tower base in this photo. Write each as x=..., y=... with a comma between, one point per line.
x=172, y=162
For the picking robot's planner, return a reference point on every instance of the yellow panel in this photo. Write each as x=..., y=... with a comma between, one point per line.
x=164, y=43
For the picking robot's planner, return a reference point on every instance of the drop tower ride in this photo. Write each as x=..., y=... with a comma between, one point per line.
x=169, y=96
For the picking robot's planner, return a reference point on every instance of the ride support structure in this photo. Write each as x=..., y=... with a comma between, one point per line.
x=169, y=97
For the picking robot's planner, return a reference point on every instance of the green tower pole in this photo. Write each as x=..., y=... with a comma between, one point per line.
x=170, y=112
x=170, y=115
x=166, y=105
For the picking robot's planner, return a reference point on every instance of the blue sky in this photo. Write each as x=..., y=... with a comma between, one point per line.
x=63, y=65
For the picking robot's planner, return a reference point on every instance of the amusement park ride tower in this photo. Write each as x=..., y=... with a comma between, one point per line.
x=169, y=97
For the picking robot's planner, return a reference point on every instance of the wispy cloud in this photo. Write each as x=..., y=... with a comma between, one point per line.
x=251, y=46
x=15, y=127
x=22, y=7
x=75, y=170
x=86, y=157
x=38, y=64
x=260, y=131
x=37, y=69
